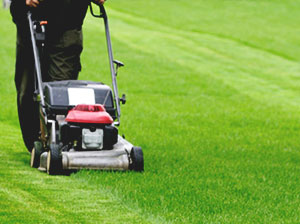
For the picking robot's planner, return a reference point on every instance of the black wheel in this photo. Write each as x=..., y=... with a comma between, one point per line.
x=54, y=160
x=36, y=154
x=137, y=158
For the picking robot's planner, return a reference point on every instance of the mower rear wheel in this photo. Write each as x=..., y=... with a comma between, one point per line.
x=54, y=160
x=36, y=154
x=137, y=158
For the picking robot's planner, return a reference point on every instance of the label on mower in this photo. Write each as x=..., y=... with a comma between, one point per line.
x=81, y=96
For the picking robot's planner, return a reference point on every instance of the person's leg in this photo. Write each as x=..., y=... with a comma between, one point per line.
x=64, y=56
x=24, y=81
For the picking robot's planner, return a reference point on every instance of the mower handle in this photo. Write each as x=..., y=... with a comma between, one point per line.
x=102, y=10
x=112, y=62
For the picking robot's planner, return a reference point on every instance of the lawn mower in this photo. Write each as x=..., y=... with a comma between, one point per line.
x=79, y=119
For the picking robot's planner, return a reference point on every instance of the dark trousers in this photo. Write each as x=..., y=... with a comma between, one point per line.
x=61, y=62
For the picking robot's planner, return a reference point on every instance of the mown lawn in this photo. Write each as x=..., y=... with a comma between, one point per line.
x=213, y=98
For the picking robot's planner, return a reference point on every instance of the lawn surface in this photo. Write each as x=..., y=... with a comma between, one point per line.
x=213, y=98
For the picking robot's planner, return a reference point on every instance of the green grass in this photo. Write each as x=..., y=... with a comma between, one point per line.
x=213, y=98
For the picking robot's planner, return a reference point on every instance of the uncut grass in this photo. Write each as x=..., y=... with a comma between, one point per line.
x=270, y=25
x=7, y=54
x=217, y=118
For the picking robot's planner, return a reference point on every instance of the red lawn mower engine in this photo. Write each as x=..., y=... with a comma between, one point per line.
x=89, y=127
x=84, y=114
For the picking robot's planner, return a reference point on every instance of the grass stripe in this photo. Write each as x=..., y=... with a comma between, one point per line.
x=29, y=196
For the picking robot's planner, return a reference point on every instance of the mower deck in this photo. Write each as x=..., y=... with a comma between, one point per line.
x=117, y=158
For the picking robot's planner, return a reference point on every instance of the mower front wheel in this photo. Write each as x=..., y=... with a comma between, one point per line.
x=137, y=158
x=54, y=160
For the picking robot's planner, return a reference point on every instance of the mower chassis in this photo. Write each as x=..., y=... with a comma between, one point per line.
x=117, y=158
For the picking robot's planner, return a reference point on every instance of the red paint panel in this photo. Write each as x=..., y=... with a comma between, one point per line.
x=89, y=114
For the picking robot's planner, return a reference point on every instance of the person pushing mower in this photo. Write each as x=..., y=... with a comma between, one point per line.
x=62, y=51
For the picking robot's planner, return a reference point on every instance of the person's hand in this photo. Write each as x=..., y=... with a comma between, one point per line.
x=100, y=1
x=33, y=3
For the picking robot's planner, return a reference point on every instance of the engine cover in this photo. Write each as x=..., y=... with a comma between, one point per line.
x=89, y=114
